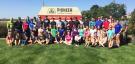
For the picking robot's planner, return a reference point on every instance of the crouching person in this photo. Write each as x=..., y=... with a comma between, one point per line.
x=68, y=39
x=58, y=39
x=77, y=40
x=9, y=39
x=24, y=39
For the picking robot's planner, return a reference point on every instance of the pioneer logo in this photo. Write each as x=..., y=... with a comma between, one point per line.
x=51, y=11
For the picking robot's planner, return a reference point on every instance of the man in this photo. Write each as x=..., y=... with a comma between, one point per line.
x=86, y=23
x=106, y=24
x=65, y=23
x=46, y=22
x=124, y=24
x=53, y=34
x=118, y=29
x=98, y=23
x=18, y=25
x=31, y=25
x=53, y=23
x=10, y=26
x=59, y=23
x=71, y=23
x=92, y=23
x=76, y=22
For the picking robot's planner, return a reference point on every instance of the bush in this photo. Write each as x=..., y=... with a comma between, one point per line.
x=3, y=29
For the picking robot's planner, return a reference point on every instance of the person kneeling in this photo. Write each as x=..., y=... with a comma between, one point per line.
x=77, y=39
x=9, y=40
x=68, y=39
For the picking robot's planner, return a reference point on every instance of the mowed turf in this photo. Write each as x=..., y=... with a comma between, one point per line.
x=62, y=54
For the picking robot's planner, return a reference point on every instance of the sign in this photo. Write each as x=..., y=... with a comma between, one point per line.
x=62, y=12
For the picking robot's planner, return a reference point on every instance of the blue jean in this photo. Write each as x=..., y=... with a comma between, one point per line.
x=23, y=42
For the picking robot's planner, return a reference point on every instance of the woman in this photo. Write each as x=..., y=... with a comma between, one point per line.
x=87, y=41
x=110, y=35
x=103, y=37
x=68, y=39
x=81, y=33
x=98, y=35
x=77, y=39
x=9, y=39
x=74, y=32
x=86, y=32
x=93, y=36
x=40, y=36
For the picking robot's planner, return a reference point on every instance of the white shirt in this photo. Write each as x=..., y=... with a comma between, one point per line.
x=77, y=38
x=92, y=32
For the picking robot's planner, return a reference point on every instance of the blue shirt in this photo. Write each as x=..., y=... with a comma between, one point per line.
x=91, y=23
x=98, y=23
x=31, y=26
x=118, y=28
x=61, y=32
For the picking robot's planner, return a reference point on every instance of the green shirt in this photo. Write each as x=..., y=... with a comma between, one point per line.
x=53, y=32
x=9, y=25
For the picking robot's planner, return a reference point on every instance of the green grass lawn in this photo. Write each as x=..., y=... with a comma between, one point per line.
x=62, y=54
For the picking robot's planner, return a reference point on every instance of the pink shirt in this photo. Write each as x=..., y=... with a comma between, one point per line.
x=86, y=33
x=68, y=38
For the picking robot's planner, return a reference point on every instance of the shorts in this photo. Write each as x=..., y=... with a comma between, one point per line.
x=40, y=37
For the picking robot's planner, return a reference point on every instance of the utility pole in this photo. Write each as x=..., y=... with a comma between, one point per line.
x=43, y=3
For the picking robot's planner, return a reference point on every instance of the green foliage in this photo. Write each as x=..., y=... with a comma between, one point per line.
x=3, y=29
x=132, y=23
x=112, y=9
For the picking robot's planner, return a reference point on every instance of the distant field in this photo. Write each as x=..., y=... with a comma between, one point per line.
x=62, y=54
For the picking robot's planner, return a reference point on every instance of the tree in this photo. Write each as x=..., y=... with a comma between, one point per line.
x=113, y=9
x=132, y=23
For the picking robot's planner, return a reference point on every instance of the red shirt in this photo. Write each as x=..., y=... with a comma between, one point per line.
x=106, y=24
x=25, y=26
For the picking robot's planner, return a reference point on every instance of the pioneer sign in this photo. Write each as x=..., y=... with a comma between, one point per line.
x=63, y=12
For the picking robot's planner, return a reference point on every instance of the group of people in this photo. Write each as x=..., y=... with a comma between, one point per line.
x=95, y=31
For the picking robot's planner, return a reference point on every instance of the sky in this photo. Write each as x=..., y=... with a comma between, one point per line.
x=23, y=8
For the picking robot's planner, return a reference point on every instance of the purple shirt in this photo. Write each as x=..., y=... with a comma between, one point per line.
x=74, y=32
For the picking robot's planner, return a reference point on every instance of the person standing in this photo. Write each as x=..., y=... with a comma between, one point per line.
x=106, y=24
x=110, y=35
x=46, y=22
x=118, y=29
x=98, y=23
x=86, y=23
x=53, y=23
x=53, y=33
x=92, y=23
x=76, y=22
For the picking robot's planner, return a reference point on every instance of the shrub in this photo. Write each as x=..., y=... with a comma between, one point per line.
x=3, y=29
